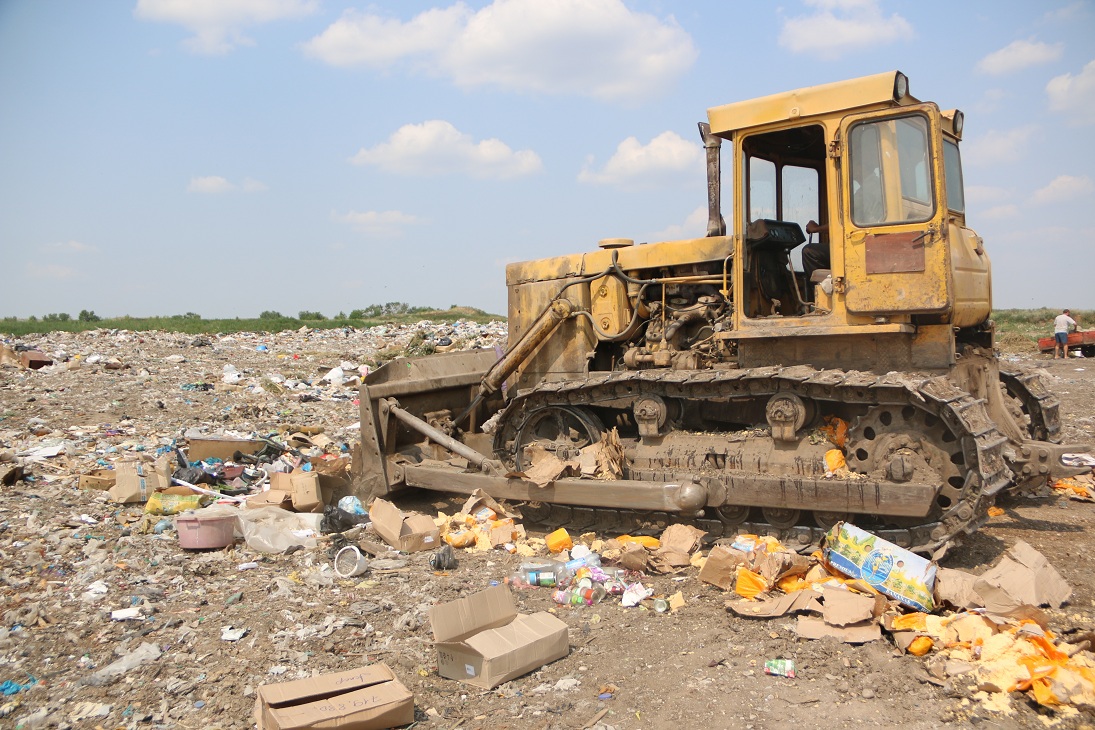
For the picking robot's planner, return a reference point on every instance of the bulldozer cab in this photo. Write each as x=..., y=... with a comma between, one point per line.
x=845, y=194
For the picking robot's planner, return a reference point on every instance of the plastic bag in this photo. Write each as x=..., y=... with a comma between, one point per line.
x=273, y=530
x=172, y=504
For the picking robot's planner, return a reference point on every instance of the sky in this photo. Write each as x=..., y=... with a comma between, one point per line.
x=229, y=157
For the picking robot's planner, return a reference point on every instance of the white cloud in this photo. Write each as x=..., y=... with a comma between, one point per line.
x=218, y=24
x=71, y=247
x=998, y=212
x=1074, y=95
x=1019, y=55
x=215, y=184
x=595, y=48
x=1067, y=13
x=667, y=155
x=694, y=226
x=437, y=147
x=378, y=223
x=50, y=271
x=1064, y=188
x=995, y=146
x=840, y=26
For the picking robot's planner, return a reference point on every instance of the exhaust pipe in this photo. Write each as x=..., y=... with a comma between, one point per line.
x=716, y=225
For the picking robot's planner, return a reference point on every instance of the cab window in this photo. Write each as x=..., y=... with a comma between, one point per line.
x=952, y=165
x=891, y=178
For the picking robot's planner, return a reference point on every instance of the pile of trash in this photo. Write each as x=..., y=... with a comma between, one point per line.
x=987, y=630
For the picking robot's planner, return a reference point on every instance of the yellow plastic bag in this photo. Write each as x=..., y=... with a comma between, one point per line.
x=749, y=584
x=172, y=504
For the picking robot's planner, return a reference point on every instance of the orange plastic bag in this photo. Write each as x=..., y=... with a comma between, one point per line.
x=647, y=542
x=749, y=584
x=834, y=460
x=460, y=538
x=920, y=646
x=836, y=430
x=559, y=541
x=910, y=622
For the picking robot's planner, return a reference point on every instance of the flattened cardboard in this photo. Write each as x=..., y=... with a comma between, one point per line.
x=222, y=448
x=303, y=486
x=482, y=640
x=893, y=570
x=812, y=627
x=804, y=600
x=408, y=532
x=369, y=698
x=843, y=607
x=101, y=479
x=956, y=588
x=1023, y=577
x=721, y=566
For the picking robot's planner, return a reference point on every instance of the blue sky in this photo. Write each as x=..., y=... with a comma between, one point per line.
x=232, y=156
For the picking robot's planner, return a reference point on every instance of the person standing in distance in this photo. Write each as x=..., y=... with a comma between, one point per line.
x=1061, y=326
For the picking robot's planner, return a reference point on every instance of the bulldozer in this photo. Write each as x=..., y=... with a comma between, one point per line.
x=843, y=315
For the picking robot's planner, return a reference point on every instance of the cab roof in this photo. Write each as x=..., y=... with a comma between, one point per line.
x=878, y=90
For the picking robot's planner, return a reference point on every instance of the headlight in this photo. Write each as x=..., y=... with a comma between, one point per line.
x=900, y=86
x=958, y=122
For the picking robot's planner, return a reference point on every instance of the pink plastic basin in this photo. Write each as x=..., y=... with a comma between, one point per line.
x=196, y=533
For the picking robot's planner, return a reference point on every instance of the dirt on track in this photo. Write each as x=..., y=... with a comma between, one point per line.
x=627, y=668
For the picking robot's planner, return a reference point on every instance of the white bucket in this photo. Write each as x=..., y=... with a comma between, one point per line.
x=350, y=562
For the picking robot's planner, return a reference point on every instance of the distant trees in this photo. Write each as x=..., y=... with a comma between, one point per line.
x=314, y=316
x=387, y=310
x=57, y=317
x=87, y=315
x=271, y=314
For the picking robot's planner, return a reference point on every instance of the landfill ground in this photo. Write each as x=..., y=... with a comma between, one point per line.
x=627, y=667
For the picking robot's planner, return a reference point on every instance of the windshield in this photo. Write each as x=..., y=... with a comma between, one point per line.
x=891, y=171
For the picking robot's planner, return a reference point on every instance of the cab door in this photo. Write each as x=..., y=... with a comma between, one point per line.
x=895, y=247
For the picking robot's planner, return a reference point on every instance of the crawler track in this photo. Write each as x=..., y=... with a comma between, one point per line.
x=1037, y=402
x=982, y=446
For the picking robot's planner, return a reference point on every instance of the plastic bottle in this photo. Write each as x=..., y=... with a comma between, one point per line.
x=580, y=596
x=593, y=560
x=547, y=575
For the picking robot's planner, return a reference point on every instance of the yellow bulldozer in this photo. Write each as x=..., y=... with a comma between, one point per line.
x=828, y=357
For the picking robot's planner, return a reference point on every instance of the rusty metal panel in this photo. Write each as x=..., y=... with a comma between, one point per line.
x=891, y=253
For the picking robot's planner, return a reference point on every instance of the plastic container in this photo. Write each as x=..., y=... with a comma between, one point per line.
x=559, y=541
x=350, y=562
x=205, y=533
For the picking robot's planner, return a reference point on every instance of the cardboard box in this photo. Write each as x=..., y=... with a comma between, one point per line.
x=220, y=448
x=893, y=570
x=409, y=532
x=101, y=479
x=303, y=486
x=369, y=698
x=136, y=480
x=483, y=641
x=270, y=498
x=721, y=566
